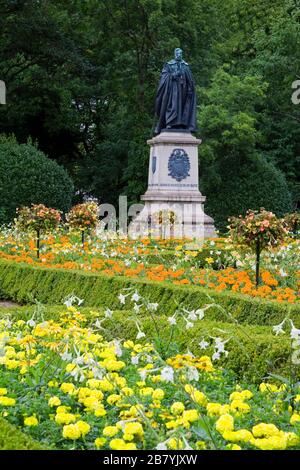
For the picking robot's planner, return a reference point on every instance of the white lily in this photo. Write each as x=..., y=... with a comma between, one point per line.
x=278, y=329
x=135, y=297
x=172, y=320
x=167, y=374
x=203, y=344
x=108, y=313
x=295, y=332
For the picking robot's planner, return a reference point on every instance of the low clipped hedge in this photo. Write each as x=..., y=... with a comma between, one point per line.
x=11, y=438
x=254, y=351
x=24, y=283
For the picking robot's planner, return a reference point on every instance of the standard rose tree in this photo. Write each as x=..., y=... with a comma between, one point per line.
x=83, y=217
x=258, y=230
x=37, y=218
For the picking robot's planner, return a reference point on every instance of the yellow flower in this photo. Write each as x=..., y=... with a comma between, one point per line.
x=173, y=424
x=110, y=431
x=225, y=423
x=54, y=401
x=242, y=435
x=200, y=445
x=240, y=406
x=199, y=398
x=71, y=431
x=264, y=430
x=292, y=439
x=6, y=401
x=264, y=387
x=158, y=394
x=177, y=408
x=31, y=421
x=93, y=383
x=70, y=367
x=100, y=442
x=244, y=395
x=146, y=391
x=105, y=385
x=209, y=260
x=65, y=418
x=216, y=409
x=83, y=427
x=68, y=388
x=113, y=399
x=53, y=383
x=113, y=365
x=175, y=443
x=100, y=411
x=62, y=409
x=128, y=344
x=278, y=442
x=130, y=446
x=117, y=444
x=3, y=391
x=190, y=415
x=127, y=391
x=295, y=418
x=233, y=447
x=134, y=428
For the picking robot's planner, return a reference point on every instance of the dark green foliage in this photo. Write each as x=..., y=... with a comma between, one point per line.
x=262, y=185
x=24, y=283
x=12, y=438
x=81, y=81
x=28, y=176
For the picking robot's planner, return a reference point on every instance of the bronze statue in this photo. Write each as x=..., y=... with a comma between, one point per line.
x=175, y=104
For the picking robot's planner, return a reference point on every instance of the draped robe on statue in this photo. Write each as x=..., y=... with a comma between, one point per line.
x=175, y=103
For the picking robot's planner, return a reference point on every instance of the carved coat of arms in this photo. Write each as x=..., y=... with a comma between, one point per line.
x=179, y=164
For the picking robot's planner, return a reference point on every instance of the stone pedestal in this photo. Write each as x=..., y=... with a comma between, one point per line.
x=173, y=186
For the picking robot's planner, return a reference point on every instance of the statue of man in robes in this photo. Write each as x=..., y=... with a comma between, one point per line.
x=175, y=103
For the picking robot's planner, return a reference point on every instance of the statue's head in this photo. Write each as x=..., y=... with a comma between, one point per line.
x=178, y=53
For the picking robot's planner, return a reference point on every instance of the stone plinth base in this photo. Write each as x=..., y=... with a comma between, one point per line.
x=174, y=206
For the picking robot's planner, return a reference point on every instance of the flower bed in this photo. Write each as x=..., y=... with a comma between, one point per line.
x=167, y=261
x=68, y=386
x=253, y=351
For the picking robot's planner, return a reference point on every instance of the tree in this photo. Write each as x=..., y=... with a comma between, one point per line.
x=27, y=176
x=235, y=173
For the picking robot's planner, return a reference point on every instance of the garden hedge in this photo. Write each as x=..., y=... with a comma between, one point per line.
x=254, y=351
x=28, y=176
x=11, y=438
x=24, y=283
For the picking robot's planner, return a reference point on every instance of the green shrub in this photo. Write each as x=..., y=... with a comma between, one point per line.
x=254, y=184
x=27, y=176
x=254, y=351
x=24, y=283
x=12, y=438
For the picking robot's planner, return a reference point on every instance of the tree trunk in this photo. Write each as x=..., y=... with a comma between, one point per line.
x=257, y=280
x=38, y=243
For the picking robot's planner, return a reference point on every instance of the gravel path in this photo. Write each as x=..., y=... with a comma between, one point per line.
x=7, y=304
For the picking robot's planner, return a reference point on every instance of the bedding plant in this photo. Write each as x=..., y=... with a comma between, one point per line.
x=69, y=386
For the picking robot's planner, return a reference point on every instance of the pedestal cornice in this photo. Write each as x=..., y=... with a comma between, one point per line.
x=174, y=138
